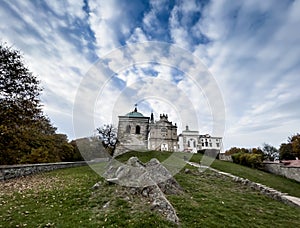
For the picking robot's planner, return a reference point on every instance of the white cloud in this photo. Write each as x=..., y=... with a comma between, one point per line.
x=179, y=34
x=111, y=22
x=68, y=8
x=49, y=55
x=137, y=36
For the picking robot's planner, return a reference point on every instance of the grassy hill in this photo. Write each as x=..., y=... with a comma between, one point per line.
x=64, y=198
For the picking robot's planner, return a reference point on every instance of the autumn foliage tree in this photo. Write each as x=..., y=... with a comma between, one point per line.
x=291, y=149
x=248, y=157
x=26, y=135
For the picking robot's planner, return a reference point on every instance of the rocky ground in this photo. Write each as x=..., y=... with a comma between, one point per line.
x=151, y=180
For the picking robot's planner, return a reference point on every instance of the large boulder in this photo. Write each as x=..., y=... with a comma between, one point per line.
x=151, y=180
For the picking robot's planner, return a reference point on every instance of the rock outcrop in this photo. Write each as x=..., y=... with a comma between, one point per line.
x=151, y=180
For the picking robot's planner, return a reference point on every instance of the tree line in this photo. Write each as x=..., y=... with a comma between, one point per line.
x=26, y=133
x=253, y=157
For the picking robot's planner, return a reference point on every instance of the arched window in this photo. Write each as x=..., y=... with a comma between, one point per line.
x=137, y=129
x=128, y=129
x=192, y=143
x=163, y=132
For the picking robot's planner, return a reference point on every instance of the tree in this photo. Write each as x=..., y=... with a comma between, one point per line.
x=236, y=150
x=76, y=152
x=295, y=141
x=270, y=152
x=19, y=90
x=286, y=151
x=252, y=157
x=26, y=134
x=19, y=105
x=108, y=136
x=233, y=150
x=290, y=150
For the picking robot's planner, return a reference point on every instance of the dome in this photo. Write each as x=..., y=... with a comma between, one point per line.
x=134, y=114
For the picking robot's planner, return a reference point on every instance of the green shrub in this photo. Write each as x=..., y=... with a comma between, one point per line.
x=254, y=160
x=236, y=157
x=248, y=159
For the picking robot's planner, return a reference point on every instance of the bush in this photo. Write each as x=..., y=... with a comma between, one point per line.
x=254, y=160
x=248, y=159
x=236, y=157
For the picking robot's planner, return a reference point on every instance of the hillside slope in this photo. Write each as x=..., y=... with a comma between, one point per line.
x=64, y=198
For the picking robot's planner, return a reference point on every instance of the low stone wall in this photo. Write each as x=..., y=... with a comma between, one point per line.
x=274, y=194
x=283, y=197
x=14, y=171
x=225, y=157
x=280, y=169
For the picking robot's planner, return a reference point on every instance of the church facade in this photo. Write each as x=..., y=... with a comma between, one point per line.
x=162, y=134
x=138, y=132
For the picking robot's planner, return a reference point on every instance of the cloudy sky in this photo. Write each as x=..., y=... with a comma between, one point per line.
x=223, y=67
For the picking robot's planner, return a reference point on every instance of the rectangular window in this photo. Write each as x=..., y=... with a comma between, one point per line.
x=210, y=144
x=218, y=144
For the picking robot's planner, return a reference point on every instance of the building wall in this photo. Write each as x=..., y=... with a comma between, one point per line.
x=280, y=169
x=129, y=138
x=224, y=157
x=188, y=141
x=191, y=141
x=209, y=142
x=162, y=135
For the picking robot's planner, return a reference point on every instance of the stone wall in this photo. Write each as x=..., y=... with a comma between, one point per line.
x=14, y=171
x=283, y=197
x=280, y=169
x=129, y=138
x=225, y=157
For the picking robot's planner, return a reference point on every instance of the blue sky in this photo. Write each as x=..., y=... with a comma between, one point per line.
x=250, y=48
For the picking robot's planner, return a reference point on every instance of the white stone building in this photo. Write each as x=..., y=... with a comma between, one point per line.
x=210, y=142
x=192, y=141
x=188, y=141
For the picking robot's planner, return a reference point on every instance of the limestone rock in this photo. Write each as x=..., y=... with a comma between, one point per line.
x=96, y=186
x=151, y=180
x=187, y=171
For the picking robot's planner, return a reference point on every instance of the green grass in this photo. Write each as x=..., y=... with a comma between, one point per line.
x=212, y=200
x=279, y=183
x=59, y=198
x=64, y=198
